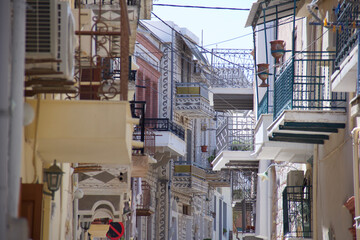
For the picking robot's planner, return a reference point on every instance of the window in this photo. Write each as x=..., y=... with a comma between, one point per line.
x=186, y=210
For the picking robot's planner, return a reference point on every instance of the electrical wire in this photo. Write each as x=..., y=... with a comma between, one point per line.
x=203, y=7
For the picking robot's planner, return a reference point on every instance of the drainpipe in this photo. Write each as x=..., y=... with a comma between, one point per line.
x=172, y=76
x=5, y=30
x=355, y=138
x=17, y=103
x=315, y=186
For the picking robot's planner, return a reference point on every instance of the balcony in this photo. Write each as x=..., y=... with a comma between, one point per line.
x=235, y=141
x=244, y=189
x=305, y=110
x=236, y=133
x=192, y=100
x=346, y=62
x=244, y=216
x=169, y=139
x=109, y=13
x=82, y=131
x=142, y=154
x=143, y=207
x=297, y=202
x=218, y=178
x=231, y=83
x=190, y=179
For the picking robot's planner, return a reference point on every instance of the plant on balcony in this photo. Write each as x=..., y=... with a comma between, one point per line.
x=240, y=146
x=204, y=148
x=211, y=158
x=224, y=231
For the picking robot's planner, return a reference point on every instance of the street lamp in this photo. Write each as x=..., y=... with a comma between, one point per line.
x=53, y=177
x=265, y=175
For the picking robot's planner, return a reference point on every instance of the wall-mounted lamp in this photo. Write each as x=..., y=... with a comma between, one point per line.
x=53, y=177
x=265, y=175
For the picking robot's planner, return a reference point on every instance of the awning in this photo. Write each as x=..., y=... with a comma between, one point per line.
x=224, y=99
x=273, y=9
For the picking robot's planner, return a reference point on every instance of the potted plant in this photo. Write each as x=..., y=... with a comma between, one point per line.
x=277, y=50
x=263, y=73
x=204, y=148
x=211, y=158
x=224, y=231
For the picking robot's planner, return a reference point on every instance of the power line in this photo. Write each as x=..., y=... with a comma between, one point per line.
x=203, y=7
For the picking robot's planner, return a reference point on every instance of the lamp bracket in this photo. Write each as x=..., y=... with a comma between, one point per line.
x=52, y=194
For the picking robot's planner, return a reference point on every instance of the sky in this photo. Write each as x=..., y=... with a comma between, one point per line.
x=216, y=26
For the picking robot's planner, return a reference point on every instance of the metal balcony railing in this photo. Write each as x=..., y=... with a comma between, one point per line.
x=244, y=214
x=244, y=185
x=141, y=133
x=109, y=2
x=347, y=37
x=164, y=124
x=143, y=207
x=236, y=133
x=266, y=104
x=303, y=84
x=297, y=211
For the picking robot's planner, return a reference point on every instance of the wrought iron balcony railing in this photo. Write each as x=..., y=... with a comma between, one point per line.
x=109, y=2
x=303, y=84
x=164, y=124
x=347, y=37
x=236, y=133
x=143, y=207
x=266, y=104
x=141, y=133
x=297, y=211
x=244, y=215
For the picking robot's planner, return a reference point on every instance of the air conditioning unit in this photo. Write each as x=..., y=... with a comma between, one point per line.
x=50, y=40
x=41, y=29
x=295, y=178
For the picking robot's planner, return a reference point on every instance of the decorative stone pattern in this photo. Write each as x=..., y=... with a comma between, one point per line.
x=162, y=203
x=165, y=83
x=104, y=190
x=194, y=107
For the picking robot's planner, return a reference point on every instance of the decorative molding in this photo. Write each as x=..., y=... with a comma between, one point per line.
x=164, y=84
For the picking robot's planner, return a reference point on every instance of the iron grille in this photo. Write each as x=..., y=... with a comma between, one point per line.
x=346, y=38
x=236, y=133
x=304, y=84
x=297, y=211
x=164, y=124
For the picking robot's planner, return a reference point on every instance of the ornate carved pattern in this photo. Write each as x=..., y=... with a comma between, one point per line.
x=162, y=210
x=165, y=81
x=194, y=107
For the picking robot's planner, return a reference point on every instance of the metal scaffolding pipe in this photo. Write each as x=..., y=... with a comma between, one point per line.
x=5, y=30
x=17, y=103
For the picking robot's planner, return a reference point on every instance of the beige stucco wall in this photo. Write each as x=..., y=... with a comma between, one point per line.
x=335, y=186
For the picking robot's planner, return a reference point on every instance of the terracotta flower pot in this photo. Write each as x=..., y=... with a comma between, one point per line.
x=204, y=148
x=277, y=50
x=263, y=73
